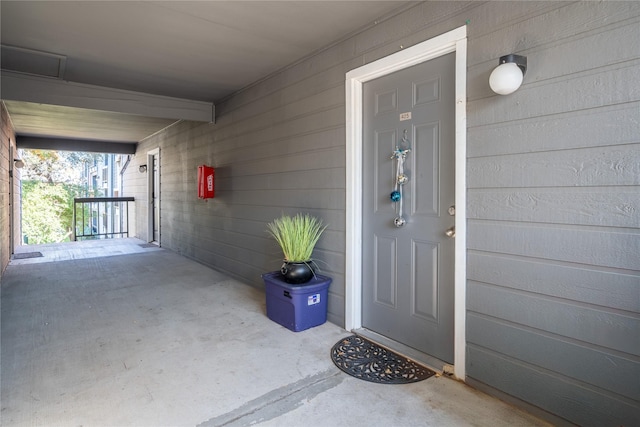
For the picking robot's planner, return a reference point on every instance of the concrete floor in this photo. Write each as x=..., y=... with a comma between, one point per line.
x=112, y=334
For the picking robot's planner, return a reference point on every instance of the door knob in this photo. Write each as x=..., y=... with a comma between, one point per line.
x=451, y=232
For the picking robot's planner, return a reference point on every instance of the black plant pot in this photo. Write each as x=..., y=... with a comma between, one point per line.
x=297, y=272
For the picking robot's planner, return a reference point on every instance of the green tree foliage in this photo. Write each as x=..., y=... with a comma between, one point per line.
x=47, y=211
x=56, y=166
x=50, y=182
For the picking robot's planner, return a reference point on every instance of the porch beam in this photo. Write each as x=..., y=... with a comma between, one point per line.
x=41, y=90
x=46, y=143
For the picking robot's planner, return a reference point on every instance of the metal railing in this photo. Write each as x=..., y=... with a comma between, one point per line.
x=101, y=217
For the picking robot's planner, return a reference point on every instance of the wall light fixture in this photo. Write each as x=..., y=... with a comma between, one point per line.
x=507, y=77
x=19, y=163
x=142, y=168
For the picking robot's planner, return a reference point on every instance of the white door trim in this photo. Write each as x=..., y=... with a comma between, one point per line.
x=12, y=198
x=453, y=41
x=150, y=184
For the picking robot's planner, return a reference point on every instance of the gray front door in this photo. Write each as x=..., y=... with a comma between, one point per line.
x=156, y=197
x=408, y=271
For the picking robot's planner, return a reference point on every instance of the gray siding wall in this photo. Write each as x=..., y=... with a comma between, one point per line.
x=553, y=191
x=553, y=292
x=5, y=133
x=7, y=140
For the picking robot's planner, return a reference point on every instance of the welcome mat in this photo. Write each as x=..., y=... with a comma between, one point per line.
x=363, y=359
x=27, y=255
x=148, y=245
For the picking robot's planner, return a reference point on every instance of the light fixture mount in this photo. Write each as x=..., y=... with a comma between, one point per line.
x=520, y=61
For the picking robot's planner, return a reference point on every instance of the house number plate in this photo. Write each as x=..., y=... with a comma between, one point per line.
x=405, y=116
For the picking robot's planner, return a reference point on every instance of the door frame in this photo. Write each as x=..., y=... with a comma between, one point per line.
x=150, y=185
x=452, y=41
x=12, y=209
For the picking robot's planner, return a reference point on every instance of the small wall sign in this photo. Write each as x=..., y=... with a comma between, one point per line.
x=313, y=299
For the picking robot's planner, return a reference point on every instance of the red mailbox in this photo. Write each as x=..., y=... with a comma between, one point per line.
x=205, y=182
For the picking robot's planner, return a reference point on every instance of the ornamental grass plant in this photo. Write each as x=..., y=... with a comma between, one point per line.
x=297, y=235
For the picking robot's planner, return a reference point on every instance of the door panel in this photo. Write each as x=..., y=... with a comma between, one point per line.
x=408, y=271
x=425, y=294
x=426, y=153
x=385, y=285
x=382, y=176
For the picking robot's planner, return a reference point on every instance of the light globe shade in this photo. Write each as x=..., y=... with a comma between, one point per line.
x=506, y=78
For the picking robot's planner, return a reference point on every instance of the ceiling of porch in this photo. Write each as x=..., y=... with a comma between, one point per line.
x=121, y=71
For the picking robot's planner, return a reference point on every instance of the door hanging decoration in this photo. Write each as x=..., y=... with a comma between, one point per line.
x=400, y=155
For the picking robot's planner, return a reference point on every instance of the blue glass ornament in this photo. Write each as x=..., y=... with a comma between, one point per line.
x=395, y=196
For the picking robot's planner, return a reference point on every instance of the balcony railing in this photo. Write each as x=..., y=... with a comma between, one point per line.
x=101, y=217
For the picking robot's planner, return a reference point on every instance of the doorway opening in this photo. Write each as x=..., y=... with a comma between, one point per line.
x=451, y=42
x=153, y=196
x=67, y=196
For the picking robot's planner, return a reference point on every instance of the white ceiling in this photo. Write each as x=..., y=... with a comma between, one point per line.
x=202, y=50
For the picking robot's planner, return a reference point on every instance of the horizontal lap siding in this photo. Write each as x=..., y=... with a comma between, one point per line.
x=278, y=160
x=599, y=326
x=571, y=357
x=618, y=248
x=553, y=181
x=581, y=206
x=7, y=139
x=553, y=175
x=561, y=395
x=615, y=165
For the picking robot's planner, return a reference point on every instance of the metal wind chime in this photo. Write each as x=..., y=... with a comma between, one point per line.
x=400, y=154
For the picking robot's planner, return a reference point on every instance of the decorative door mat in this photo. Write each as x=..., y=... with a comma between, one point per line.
x=363, y=359
x=27, y=255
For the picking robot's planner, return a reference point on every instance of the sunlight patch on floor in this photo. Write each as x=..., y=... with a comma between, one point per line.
x=52, y=252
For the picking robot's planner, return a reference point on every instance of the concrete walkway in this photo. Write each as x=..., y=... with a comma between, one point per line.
x=144, y=337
